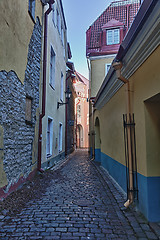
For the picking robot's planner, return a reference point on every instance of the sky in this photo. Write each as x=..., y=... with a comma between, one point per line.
x=79, y=15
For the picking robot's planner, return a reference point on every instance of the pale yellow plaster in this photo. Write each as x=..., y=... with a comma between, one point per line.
x=145, y=83
x=111, y=127
x=16, y=27
x=98, y=73
x=3, y=178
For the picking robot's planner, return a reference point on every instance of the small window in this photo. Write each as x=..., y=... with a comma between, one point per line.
x=28, y=113
x=113, y=36
x=58, y=22
x=52, y=67
x=62, y=35
x=107, y=67
x=49, y=137
x=31, y=8
x=79, y=111
x=61, y=94
x=53, y=14
x=60, y=137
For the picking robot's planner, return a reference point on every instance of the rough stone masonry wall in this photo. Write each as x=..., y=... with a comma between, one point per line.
x=19, y=137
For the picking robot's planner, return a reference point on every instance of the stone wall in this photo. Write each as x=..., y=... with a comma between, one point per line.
x=18, y=136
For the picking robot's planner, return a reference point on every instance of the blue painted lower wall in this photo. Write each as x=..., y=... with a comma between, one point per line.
x=149, y=188
x=98, y=154
x=115, y=169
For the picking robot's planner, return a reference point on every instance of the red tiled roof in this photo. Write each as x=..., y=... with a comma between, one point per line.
x=112, y=23
x=116, y=10
x=82, y=79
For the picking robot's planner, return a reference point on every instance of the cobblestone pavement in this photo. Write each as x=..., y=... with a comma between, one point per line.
x=81, y=202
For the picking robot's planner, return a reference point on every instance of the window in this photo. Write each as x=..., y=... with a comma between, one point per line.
x=58, y=22
x=107, y=67
x=60, y=137
x=61, y=93
x=28, y=114
x=62, y=35
x=31, y=8
x=78, y=111
x=53, y=14
x=52, y=68
x=113, y=36
x=49, y=137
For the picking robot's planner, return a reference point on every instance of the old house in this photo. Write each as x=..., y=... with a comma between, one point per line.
x=126, y=114
x=70, y=109
x=20, y=63
x=103, y=39
x=55, y=57
x=81, y=85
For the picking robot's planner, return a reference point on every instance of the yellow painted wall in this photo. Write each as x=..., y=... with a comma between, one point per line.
x=16, y=28
x=111, y=127
x=98, y=73
x=145, y=83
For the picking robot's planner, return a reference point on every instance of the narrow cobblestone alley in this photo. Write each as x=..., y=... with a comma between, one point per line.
x=81, y=202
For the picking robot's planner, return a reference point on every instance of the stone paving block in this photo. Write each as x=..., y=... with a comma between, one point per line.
x=81, y=206
x=58, y=229
x=151, y=235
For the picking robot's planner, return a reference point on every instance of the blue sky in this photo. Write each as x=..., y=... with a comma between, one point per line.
x=79, y=15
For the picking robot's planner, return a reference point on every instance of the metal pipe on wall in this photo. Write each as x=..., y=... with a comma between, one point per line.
x=117, y=66
x=44, y=85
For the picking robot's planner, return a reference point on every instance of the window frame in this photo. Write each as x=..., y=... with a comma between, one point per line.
x=53, y=14
x=60, y=145
x=62, y=35
x=107, y=67
x=31, y=9
x=52, y=73
x=62, y=87
x=28, y=109
x=49, y=137
x=112, y=31
x=58, y=21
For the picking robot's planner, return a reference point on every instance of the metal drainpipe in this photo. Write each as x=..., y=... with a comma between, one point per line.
x=92, y=131
x=66, y=119
x=117, y=66
x=44, y=86
x=90, y=105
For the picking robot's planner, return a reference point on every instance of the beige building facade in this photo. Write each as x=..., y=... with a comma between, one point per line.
x=81, y=86
x=53, y=123
x=126, y=115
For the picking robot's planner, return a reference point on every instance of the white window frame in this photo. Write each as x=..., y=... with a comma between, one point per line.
x=62, y=35
x=60, y=137
x=111, y=36
x=61, y=90
x=58, y=21
x=107, y=67
x=53, y=13
x=31, y=8
x=49, y=137
x=52, y=68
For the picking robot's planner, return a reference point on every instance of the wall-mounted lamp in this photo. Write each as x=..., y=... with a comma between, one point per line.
x=68, y=94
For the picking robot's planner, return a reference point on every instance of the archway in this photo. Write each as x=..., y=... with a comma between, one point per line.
x=97, y=141
x=79, y=136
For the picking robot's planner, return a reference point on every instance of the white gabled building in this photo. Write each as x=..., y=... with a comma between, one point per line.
x=54, y=70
